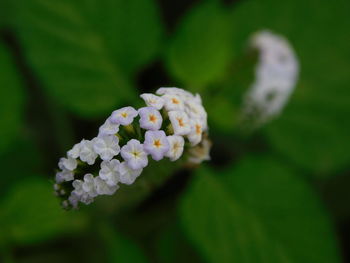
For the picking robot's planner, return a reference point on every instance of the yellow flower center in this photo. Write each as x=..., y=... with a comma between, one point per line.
x=175, y=101
x=152, y=118
x=176, y=146
x=198, y=129
x=136, y=154
x=181, y=122
x=157, y=143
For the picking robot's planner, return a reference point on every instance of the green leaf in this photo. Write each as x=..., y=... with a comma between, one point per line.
x=132, y=29
x=12, y=97
x=313, y=130
x=31, y=213
x=336, y=194
x=173, y=247
x=120, y=249
x=82, y=50
x=227, y=95
x=2, y=13
x=200, y=50
x=23, y=152
x=257, y=212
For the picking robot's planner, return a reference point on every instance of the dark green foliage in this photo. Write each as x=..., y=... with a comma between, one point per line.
x=12, y=98
x=273, y=194
x=258, y=211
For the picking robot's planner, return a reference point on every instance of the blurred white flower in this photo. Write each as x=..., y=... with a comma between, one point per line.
x=276, y=76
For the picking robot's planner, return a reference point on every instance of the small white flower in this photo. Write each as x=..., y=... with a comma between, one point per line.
x=75, y=151
x=110, y=172
x=134, y=155
x=123, y=116
x=67, y=163
x=89, y=185
x=73, y=199
x=173, y=102
x=102, y=188
x=65, y=204
x=64, y=176
x=128, y=175
x=150, y=118
x=180, y=122
x=196, y=133
x=153, y=100
x=106, y=146
x=56, y=187
x=200, y=153
x=79, y=194
x=174, y=91
x=108, y=128
x=198, y=99
x=86, y=199
x=176, y=148
x=87, y=152
x=156, y=144
x=197, y=111
x=78, y=187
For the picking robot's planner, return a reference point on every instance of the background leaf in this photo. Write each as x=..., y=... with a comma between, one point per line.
x=200, y=50
x=257, y=212
x=120, y=249
x=12, y=98
x=313, y=130
x=23, y=152
x=31, y=213
x=173, y=246
x=132, y=30
x=73, y=57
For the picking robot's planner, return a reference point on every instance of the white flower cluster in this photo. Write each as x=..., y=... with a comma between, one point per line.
x=126, y=139
x=276, y=76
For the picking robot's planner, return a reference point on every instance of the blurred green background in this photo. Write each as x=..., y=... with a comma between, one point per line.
x=278, y=194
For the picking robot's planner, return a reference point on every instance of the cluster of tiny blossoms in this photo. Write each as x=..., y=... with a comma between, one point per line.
x=276, y=75
x=172, y=120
